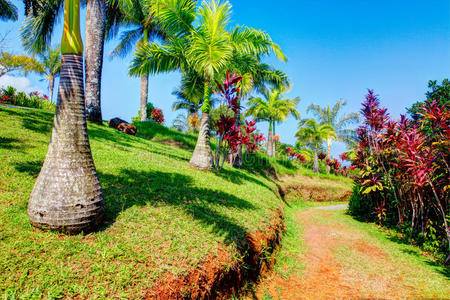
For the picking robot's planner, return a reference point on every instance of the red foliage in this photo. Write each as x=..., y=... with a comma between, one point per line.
x=157, y=116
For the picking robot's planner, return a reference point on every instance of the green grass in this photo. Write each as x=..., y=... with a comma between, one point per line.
x=161, y=215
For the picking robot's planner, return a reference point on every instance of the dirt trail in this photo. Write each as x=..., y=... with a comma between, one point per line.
x=340, y=264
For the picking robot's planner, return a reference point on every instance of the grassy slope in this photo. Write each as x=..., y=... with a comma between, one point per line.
x=161, y=215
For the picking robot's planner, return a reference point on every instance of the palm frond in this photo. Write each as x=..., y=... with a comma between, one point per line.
x=37, y=29
x=8, y=11
x=128, y=40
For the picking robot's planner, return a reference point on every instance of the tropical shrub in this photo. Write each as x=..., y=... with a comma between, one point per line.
x=157, y=116
x=10, y=96
x=404, y=173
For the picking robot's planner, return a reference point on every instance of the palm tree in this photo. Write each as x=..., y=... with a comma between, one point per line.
x=205, y=49
x=327, y=115
x=181, y=123
x=51, y=66
x=8, y=11
x=139, y=15
x=310, y=131
x=255, y=76
x=272, y=108
x=67, y=195
x=102, y=18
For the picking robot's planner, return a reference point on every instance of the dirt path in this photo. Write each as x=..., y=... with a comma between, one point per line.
x=342, y=263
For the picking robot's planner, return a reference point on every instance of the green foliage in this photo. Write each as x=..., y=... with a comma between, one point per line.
x=8, y=95
x=360, y=205
x=435, y=92
x=18, y=63
x=8, y=11
x=150, y=108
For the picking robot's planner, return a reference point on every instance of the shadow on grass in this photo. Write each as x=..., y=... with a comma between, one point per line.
x=132, y=188
x=11, y=143
x=32, y=168
x=150, y=130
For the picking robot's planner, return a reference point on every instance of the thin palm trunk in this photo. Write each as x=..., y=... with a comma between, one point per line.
x=51, y=83
x=95, y=35
x=144, y=96
x=67, y=195
x=274, y=143
x=329, y=152
x=202, y=157
x=144, y=85
x=316, y=160
x=269, y=150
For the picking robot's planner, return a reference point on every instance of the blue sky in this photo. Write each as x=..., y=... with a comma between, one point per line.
x=336, y=50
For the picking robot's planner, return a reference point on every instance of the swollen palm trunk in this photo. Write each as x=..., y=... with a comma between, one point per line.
x=67, y=195
x=95, y=35
x=202, y=156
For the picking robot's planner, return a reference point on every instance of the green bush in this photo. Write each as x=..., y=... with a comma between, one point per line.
x=8, y=95
x=360, y=205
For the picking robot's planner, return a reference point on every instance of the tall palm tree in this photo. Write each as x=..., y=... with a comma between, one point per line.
x=51, y=66
x=138, y=15
x=206, y=49
x=102, y=17
x=329, y=115
x=8, y=11
x=310, y=131
x=272, y=108
x=67, y=195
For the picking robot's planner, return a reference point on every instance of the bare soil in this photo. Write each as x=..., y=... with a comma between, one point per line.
x=369, y=274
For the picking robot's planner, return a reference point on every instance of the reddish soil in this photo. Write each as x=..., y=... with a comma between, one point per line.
x=218, y=276
x=328, y=276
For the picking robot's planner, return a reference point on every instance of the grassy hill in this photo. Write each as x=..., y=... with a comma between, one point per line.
x=162, y=217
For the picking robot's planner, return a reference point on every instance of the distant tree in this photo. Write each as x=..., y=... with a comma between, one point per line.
x=18, y=63
x=51, y=66
x=314, y=134
x=330, y=115
x=181, y=123
x=272, y=108
x=436, y=92
x=8, y=11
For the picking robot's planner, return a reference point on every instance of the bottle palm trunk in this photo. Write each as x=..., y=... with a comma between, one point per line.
x=95, y=35
x=202, y=157
x=144, y=96
x=67, y=195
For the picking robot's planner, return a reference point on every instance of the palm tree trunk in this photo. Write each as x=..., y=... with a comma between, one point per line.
x=269, y=150
x=274, y=143
x=316, y=160
x=95, y=35
x=67, y=195
x=51, y=83
x=202, y=157
x=144, y=85
x=144, y=96
x=235, y=158
x=329, y=153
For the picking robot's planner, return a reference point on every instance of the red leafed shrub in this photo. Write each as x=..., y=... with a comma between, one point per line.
x=322, y=155
x=404, y=173
x=157, y=116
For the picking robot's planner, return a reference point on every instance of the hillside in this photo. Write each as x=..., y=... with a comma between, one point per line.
x=162, y=217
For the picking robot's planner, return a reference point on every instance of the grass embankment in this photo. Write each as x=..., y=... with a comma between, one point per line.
x=162, y=217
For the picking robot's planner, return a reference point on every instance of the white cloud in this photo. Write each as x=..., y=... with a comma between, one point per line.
x=22, y=84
